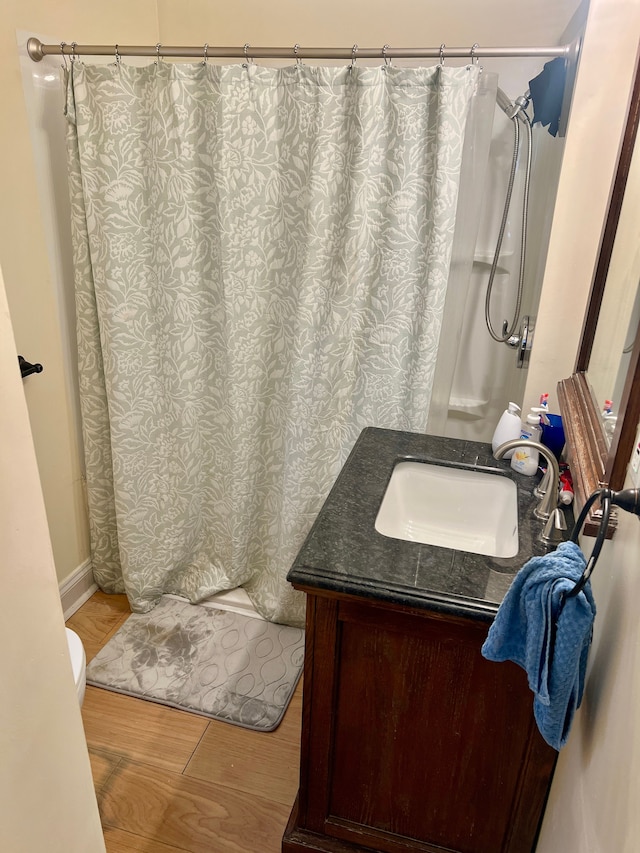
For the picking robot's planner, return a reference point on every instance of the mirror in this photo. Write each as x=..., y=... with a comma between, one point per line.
x=608, y=363
x=617, y=324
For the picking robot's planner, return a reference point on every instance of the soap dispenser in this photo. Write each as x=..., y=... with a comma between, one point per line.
x=525, y=460
x=509, y=426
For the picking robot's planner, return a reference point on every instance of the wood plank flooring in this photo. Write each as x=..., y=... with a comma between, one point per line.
x=172, y=782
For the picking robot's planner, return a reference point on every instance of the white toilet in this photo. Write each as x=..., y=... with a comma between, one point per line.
x=78, y=662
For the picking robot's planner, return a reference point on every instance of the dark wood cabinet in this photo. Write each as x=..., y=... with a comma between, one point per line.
x=411, y=740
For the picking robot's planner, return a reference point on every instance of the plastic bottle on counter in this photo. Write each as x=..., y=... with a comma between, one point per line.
x=525, y=460
x=509, y=426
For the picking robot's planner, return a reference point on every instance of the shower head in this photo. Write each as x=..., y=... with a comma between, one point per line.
x=503, y=101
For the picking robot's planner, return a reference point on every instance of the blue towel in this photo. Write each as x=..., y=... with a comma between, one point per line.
x=547, y=93
x=548, y=635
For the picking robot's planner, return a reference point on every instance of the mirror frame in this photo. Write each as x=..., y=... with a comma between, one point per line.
x=593, y=463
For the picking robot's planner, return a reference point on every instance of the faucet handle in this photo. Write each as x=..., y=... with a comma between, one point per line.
x=541, y=489
x=554, y=528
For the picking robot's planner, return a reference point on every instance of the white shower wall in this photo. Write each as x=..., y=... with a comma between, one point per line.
x=486, y=375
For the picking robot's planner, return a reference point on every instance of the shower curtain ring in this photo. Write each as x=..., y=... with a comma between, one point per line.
x=387, y=60
x=64, y=57
x=296, y=48
x=158, y=46
x=247, y=58
x=354, y=50
x=442, y=47
x=117, y=56
x=73, y=51
x=206, y=49
x=474, y=58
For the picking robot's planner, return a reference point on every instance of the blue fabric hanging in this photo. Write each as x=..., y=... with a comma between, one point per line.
x=547, y=93
x=548, y=634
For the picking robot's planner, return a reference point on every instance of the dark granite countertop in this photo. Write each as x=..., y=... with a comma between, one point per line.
x=344, y=552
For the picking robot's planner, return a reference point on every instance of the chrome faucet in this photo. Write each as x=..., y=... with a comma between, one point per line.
x=549, y=501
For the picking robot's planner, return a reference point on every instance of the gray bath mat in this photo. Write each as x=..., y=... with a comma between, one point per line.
x=213, y=662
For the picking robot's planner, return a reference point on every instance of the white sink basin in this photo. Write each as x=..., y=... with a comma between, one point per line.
x=460, y=508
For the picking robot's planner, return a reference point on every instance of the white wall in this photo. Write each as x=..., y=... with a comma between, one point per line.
x=594, y=798
x=366, y=22
x=596, y=788
x=47, y=801
x=598, y=114
x=40, y=310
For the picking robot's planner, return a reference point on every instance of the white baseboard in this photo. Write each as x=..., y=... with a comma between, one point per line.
x=77, y=588
x=80, y=586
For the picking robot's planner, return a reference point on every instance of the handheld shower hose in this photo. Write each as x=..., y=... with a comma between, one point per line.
x=515, y=111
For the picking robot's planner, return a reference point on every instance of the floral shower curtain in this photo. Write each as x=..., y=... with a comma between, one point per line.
x=261, y=264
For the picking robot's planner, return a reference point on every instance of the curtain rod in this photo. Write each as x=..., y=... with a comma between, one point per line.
x=37, y=51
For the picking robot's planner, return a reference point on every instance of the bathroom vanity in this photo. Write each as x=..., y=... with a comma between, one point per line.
x=411, y=740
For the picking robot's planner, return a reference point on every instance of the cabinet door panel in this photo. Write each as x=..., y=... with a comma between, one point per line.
x=411, y=740
x=428, y=737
